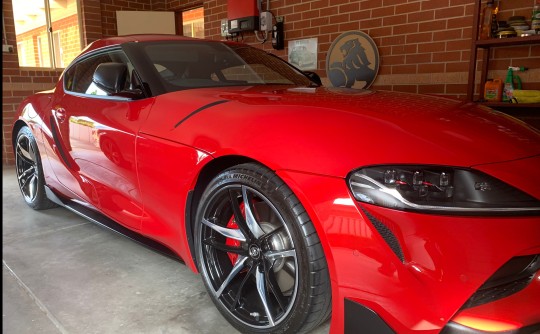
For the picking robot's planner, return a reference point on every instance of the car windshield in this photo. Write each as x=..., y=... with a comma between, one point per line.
x=184, y=65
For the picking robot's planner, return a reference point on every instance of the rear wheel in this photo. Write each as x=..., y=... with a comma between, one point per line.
x=30, y=172
x=259, y=255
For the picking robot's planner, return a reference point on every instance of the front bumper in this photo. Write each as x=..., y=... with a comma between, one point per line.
x=455, y=328
x=415, y=271
x=519, y=313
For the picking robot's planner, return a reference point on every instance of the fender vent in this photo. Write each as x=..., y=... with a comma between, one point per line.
x=388, y=236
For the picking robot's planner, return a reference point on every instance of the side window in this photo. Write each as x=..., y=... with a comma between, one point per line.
x=78, y=78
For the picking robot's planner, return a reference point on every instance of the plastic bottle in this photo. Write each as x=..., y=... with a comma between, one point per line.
x=494, y=22
x=535, y=21
x=485, y=22
x=509, y=85
x=493, y=90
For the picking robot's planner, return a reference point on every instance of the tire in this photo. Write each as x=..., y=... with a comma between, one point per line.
x=262, y=263
x=30, y=172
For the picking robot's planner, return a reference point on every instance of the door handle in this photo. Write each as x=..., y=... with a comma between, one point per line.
x=60, y=114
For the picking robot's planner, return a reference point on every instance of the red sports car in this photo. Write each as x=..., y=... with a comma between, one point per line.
x=395, y=213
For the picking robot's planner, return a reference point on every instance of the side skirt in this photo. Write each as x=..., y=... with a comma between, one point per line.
x=103, y=221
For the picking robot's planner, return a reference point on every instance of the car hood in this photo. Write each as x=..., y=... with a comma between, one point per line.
x=333, y=130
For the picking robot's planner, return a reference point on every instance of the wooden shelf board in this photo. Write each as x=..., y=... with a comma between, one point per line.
x=498, y=42
x=497, y=105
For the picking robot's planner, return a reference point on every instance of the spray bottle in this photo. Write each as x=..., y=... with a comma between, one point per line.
x=512, y=82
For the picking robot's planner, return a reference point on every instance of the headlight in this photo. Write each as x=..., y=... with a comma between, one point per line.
x=438, y=189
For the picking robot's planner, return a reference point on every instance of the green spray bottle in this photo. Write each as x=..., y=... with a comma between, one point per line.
x=512, y=82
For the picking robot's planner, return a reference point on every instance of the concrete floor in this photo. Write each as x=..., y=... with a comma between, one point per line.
x=64, y=274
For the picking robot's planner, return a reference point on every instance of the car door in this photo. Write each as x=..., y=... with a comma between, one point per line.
x=97, y=132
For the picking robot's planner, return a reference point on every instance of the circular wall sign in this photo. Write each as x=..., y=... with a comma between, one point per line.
x=352, y=60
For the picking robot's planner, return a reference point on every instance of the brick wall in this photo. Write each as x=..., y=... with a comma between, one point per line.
x=424, y=44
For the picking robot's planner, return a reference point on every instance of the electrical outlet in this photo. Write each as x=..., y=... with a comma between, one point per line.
x=279, y=18
x=7, y=48
x=224, y=28
x=265, y=21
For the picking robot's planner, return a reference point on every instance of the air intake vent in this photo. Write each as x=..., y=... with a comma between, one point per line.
x=387, y=235
x=512, y=277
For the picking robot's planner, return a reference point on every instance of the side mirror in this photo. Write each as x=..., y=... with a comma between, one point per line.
x=313, y=77
x=111, y=77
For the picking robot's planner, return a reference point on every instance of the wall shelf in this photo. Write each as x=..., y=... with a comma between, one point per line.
x=487, y=45
x=511, y=41
x=510, y=106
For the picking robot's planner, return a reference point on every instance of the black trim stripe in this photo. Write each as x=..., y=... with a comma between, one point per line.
x=199, y=110
x=58, y=144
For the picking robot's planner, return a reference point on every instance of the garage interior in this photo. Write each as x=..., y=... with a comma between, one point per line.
x=64, y=274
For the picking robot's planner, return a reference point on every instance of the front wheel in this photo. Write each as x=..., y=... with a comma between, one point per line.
x=29, y=171
x=259, y=255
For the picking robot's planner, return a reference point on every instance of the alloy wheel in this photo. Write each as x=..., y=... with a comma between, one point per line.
x=27, y=167
x=248, y=256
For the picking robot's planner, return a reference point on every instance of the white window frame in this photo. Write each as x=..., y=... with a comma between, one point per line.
x=21, y=50
x=50, y=38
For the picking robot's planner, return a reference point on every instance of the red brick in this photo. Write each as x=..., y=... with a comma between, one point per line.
x=405, y=49
x=450, y=12
x=319, y=4
x=431, y=47
x=420, y=37
x=431, y=26
x=434, y=4
x=372, y=23
x=351, y=7
x=408, y=28
x=320, y=21
x=369, y=4
x=408, y=8
x=404, y=69
x=394, y=60
x=458, y=45
x=421, y=16
x=431, y=68
x=341, y=18
x=349, y=26
x=379, y=32
x=310, y=32
x=511, y=52
x=394, y=40
x=329, y=11
x=445, y=35
x=381, y=12
x=311, y=14
x=361, y=15
x=446, y=56
x=457, y=67
x=418, y=58
x=431, y=89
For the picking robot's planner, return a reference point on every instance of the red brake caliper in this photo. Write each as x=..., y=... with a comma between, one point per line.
x=233, y=242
